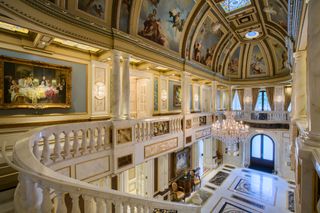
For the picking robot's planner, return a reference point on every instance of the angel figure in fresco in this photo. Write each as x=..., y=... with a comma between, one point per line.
x=257, y=65
x=176, y=20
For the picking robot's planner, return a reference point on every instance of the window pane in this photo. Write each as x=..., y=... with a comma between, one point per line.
x=267, y=148
x=236, y=102
x=256, y=147
x=289, y=107
x=266, y=106
x=259, y=102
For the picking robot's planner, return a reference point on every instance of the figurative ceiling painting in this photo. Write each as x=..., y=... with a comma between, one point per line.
x=278, y=13
x=233, y=65
x=162, y=21
x=206, y=42
x=280, y=55
x=93, y=7
x=193, y=28
x=258, y=64
x=231, y=5
x=222, y=56
x=125, y=15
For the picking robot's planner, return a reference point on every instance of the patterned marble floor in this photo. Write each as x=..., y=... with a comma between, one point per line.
x=245, y=190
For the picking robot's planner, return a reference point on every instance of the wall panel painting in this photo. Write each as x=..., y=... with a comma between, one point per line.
x=206, y=42
x=258, y=65
x=162, y=21
x=32, y=84
x=95, y=8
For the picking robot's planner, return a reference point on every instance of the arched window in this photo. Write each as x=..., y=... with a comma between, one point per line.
x=236, y=102
x=262, y=153
x=262, y=102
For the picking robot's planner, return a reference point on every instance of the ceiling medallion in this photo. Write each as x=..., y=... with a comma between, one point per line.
x=252, y=34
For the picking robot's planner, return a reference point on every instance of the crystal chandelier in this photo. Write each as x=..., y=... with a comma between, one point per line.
x=230, y=132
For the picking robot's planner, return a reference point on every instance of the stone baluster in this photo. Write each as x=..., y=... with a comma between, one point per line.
x=45, y=151
x=106, y=137
x=61, y=205
x=88, y=203
x=133, y=207
x=36, y=150
x=92, y=141
x=125, y=207
x=66, y=147
x=57, y=148
x=99, y=139
x=136, y=132
x=75, y=145
x=140, y=132
x=117, y=206
x=84, y=142
x=109, y=204
x=46, y=204
x=75, y=202
x=101, y=205
x=140, y=209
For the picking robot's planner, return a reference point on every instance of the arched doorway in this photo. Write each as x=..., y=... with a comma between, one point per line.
x=262, y=153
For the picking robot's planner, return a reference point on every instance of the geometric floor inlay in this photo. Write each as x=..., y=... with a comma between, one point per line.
x=228, y=206
x=257, y=187
x=219, y=178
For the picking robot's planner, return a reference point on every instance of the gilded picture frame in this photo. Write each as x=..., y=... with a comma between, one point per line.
x=33, y=84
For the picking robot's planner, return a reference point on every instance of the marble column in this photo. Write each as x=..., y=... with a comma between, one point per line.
x=116, y=86
x=213, y=96
x=229, y=108
x=185, y=93
x=126, y=87
x=313, y=76
x=299, y=90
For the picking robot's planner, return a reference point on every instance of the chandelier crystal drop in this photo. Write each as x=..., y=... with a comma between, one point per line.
x=230, y=131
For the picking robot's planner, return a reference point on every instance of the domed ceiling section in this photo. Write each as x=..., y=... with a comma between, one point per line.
x=236, y=39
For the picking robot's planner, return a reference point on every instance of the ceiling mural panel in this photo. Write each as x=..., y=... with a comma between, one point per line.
x=281, y=56
x=95, y=8
x=206, y=41
x=234, y=65
x=258, y=64
x=125, y=10
x=162, y=21
x=193, y=28
x=278, y=13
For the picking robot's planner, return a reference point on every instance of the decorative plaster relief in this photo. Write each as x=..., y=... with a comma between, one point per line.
x=160, y=147
x=124, y=135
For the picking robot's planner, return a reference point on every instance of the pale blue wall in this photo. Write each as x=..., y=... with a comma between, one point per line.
x=79, y=88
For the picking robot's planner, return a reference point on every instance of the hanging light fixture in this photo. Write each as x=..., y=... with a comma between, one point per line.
x=230, y=132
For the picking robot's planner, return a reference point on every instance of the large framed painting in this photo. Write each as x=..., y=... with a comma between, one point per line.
x=177, y=96
x=182, y=161
x=33, y=84
x=95, y=8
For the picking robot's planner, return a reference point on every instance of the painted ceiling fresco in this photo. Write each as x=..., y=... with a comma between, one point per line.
x=93, y=7
x=278, y=13
x=258, y=65
x=234, y=63
x=125, y=10
x=162, y=21
x=280, y=56
x=206, y=42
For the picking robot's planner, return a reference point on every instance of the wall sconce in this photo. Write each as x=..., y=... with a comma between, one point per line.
x=279, y=99
x=99, y=90
x=164, y=95
x=196, y=97
x=247, y=99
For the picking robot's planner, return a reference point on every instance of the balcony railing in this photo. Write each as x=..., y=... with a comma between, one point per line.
x=41, y=189
x=262, y=116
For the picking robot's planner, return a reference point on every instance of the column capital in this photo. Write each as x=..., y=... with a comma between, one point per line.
x=126, y=57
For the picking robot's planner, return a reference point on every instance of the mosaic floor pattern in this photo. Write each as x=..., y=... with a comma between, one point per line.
x=241, y=191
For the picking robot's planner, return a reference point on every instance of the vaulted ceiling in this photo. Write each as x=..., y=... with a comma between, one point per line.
x=232, y=39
